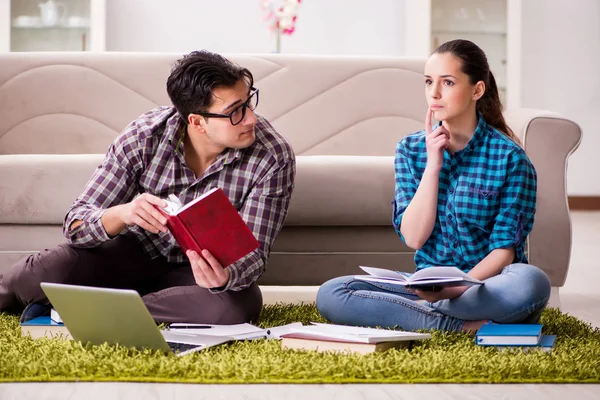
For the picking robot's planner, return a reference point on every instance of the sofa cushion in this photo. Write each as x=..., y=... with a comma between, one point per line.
x=342, y=190
x=39, y=188
x=330, y=190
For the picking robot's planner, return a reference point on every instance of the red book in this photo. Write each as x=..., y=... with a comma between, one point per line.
x=210, y=222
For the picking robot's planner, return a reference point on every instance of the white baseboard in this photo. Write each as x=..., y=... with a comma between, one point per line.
x=554, y=297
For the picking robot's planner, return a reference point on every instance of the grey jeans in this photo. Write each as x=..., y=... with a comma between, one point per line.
x=168, y=289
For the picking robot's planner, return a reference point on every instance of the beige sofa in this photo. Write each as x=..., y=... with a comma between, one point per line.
x=342, y=115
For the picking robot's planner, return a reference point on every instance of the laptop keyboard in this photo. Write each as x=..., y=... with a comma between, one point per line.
x=181, y=347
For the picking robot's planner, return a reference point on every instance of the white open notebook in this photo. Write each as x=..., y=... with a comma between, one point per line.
x=431, y=276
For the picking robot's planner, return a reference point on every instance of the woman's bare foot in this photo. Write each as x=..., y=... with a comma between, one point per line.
x=471, y=327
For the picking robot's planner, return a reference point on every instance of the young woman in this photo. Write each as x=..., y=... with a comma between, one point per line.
x=465, y=197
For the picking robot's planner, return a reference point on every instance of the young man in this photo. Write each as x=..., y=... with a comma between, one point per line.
x=116, y=236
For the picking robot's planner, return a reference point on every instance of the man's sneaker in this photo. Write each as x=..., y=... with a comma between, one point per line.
x=34, y=310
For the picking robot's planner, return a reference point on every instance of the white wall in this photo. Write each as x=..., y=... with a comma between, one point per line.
x=417, y=28
x=556, y=65
x=372, y=27
x=4, y=26
x=560, y=71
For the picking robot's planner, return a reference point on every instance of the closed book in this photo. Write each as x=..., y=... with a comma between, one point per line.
x=509, y=335
x=331, y=337
x=210, y=222
x=44, y=327
x=546, y=344
x=325, y=345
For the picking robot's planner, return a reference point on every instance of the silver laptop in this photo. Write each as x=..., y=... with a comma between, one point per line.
x=116, y=316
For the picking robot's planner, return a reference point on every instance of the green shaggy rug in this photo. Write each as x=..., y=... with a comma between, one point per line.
x=447, y=357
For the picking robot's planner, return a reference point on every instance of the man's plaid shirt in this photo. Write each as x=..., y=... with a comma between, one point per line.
x=148, y=158
x=486, y=198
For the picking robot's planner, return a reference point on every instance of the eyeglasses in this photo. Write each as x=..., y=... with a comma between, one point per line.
x=237, y=115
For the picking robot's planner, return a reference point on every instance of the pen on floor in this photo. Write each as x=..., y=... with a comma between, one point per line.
x=189, y=326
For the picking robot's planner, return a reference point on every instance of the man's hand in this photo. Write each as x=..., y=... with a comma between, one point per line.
x=445, y=293
x=208, y=272
x=142, y=212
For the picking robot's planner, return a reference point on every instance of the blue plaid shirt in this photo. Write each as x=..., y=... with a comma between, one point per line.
x=486, y=198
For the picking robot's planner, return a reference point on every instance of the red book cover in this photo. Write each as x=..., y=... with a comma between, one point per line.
x=211, y=222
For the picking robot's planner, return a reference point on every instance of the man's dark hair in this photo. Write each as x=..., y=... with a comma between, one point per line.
x=194, y=77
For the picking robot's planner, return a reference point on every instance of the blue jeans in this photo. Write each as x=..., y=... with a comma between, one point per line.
x=517, y=295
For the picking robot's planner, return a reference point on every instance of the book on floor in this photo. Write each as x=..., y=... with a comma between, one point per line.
x=509, y=335
x=330, y=337
x=209, y=222
x=322, y=345
x=546, y=344
x=427, y=278
x=44, y=327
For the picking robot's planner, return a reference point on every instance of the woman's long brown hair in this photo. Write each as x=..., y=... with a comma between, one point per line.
x=476, y=66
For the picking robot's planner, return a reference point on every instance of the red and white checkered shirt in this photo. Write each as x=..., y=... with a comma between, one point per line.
x=148, y=158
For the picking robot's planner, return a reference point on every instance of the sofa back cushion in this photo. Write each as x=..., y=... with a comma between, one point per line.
x=78, y=103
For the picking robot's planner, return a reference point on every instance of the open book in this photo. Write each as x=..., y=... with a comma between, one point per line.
x=429, y=278
x=210, y=222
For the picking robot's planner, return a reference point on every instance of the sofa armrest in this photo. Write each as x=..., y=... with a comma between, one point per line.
x=549, y=140
x=39, y=188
